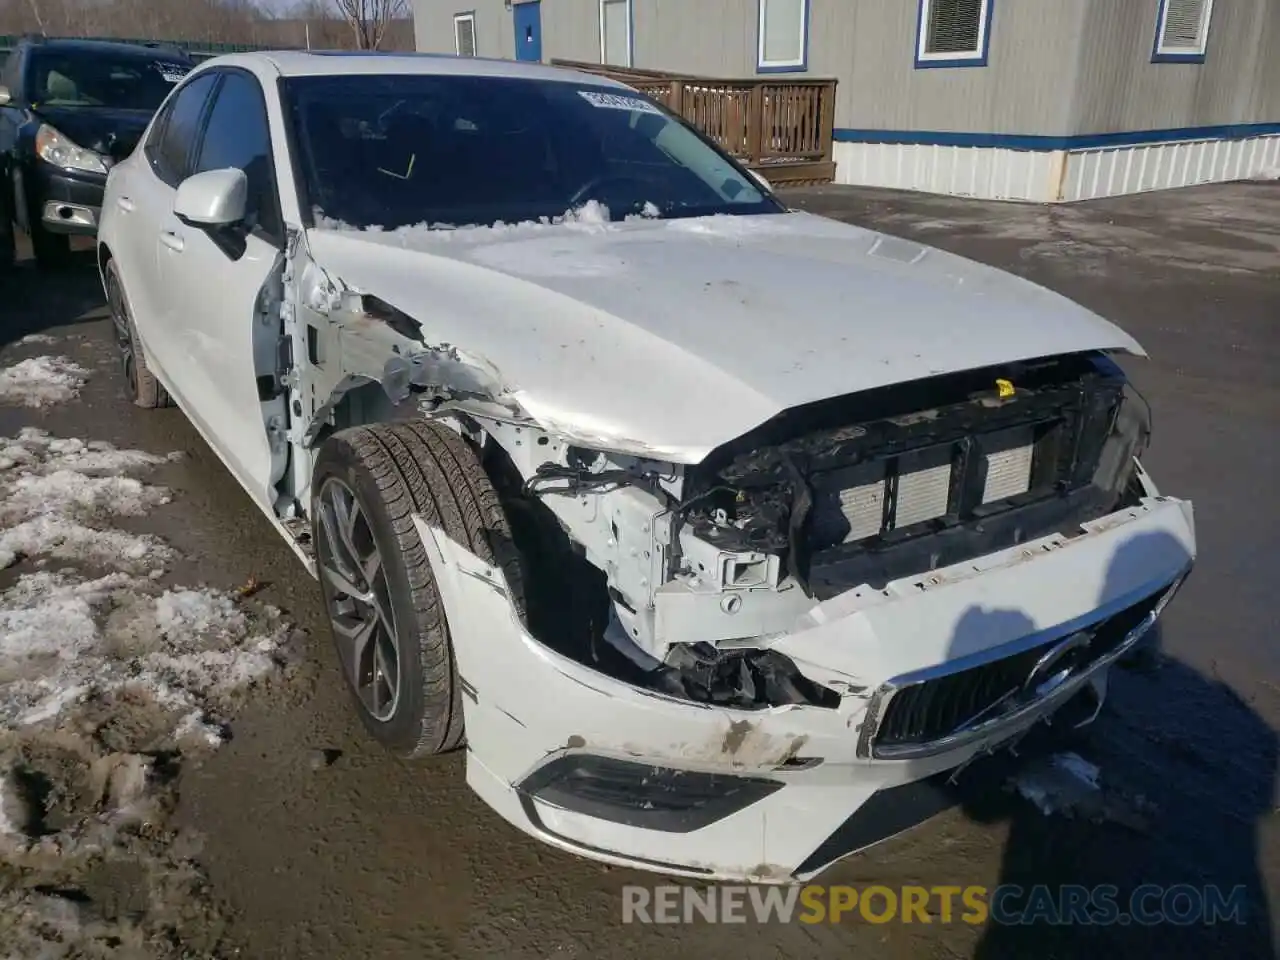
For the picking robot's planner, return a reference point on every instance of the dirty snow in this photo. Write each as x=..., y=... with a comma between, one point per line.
x=64, y=641
x=37, y=338
x=57, y=496
x=42, y=381
x=101, y=674
x=1060, y=784
x=1066, y=784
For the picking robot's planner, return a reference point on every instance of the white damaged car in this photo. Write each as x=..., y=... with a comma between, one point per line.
x=722, y=535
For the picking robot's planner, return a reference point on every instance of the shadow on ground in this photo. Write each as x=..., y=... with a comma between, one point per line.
x=1163, y=858
x=32, y=300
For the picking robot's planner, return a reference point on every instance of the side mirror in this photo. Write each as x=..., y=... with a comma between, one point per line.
x=5, y=95
x=213, y=199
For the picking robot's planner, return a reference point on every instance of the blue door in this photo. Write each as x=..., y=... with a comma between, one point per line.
x=528, y=17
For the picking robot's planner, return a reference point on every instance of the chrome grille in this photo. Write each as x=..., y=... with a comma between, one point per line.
x=929, y=710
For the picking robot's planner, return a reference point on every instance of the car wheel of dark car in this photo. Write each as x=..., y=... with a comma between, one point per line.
x=386, y=614
x=144, y=389
x=8, y=238
x=52, y=250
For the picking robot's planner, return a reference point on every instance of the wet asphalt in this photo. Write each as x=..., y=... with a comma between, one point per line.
x=364, y=856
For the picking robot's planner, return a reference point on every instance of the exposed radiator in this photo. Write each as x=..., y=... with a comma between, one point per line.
x=851, y=502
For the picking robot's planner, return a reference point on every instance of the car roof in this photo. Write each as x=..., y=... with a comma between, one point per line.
x=324, y=63
x=116, y=47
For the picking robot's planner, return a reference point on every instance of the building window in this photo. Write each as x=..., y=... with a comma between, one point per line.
x=953, y=33
x=1182, y=31
x=783, y=36
x=464, y=34
x=615, y=32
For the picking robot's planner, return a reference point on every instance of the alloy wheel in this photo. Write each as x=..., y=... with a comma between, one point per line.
x=124, y=337
x=358, y=599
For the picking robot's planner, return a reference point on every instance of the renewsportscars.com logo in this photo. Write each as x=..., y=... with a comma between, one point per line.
x=1008, y=904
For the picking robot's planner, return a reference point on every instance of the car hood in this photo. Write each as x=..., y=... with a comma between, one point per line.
x=669, y=338
x=105, y=130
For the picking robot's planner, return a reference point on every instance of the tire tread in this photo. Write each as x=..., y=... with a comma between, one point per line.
x=420, y=467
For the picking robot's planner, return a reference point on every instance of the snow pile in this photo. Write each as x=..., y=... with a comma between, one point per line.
x=64, y=642
x=42, y=381
x=592, y=217
x=37, y=338
x=1268, y=173
x=56, y=494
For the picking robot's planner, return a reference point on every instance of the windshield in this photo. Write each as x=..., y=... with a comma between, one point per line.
x=83, y=78
x=393, y=151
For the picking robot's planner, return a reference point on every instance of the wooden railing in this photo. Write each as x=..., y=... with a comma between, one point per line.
x=781, y=128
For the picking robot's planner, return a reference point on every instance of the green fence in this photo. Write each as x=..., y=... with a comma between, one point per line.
x=195, y=48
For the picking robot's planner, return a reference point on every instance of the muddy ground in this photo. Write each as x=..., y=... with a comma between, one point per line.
x=284, y=833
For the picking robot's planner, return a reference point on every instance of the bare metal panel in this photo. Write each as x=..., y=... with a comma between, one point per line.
x=870, y=47
x=1119, y=88
x=495, y=28
x=1055, y=67
x=571, y=30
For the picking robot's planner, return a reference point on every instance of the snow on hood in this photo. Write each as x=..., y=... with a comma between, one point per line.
x=669, y=338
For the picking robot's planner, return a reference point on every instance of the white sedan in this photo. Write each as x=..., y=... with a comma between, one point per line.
x=723, y=534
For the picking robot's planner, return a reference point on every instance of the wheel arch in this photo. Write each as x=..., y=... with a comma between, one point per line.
x=105, y=256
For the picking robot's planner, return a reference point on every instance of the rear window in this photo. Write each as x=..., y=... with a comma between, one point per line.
x=83, y=78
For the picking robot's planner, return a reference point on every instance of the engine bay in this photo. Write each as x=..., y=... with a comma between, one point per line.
x=676, y=578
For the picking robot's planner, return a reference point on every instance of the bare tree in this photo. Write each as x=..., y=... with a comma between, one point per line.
x=370, y=19
x=327, y=24
x=35, y=12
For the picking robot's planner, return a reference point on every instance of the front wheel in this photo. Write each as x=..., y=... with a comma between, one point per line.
x=388, y=622
x=8, y=237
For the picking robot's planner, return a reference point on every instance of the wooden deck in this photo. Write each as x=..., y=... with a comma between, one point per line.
x=781, y=128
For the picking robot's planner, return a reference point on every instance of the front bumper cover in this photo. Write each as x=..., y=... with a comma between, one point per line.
x=535, y=718
x=64, y=201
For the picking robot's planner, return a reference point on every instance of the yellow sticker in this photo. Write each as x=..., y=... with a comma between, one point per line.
x=1005, y=388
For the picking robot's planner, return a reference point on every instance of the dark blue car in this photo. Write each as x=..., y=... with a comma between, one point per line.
x=69, y=110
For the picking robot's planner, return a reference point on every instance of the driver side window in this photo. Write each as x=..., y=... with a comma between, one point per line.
x=173, y=138
x=238, y=136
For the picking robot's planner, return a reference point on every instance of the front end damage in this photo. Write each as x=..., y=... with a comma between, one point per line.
x=752, y=666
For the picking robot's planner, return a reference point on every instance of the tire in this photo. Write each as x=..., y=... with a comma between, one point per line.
x=144, y=389
x=8, y=237
x=52, y=250
x=388, y=472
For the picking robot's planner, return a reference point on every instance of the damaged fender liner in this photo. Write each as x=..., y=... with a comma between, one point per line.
x=369, y=341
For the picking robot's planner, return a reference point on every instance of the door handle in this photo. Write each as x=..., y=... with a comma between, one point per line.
x=125, y=204
x=172, y=240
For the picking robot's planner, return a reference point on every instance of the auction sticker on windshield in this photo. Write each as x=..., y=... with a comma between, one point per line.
x=172, y=72
x=615, y=101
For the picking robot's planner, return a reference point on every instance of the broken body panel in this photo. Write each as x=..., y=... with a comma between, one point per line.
x=707, y=654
